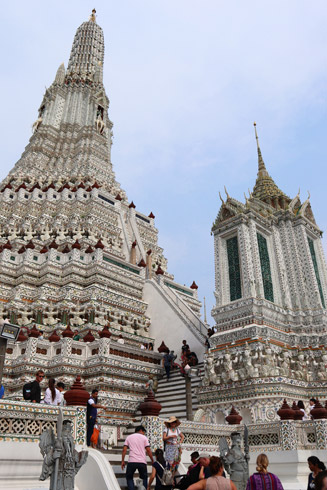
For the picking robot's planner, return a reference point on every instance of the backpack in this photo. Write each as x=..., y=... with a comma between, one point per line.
x=27, y=390
x=167, y=477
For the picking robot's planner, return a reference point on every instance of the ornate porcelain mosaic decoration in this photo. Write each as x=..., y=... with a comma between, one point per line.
x=270, y=288
x=24, y=421
x=273, y=436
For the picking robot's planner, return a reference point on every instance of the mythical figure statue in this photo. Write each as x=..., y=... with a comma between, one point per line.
x=229, y=374
x=150, y=385
x=250, y=369
x=60, y=459
x=235, y=462
x=322, y=366
x=36, y=124
x=284, y=360
x=268, y=363
x=209, y=370
x=99, y=124
x=299, y=365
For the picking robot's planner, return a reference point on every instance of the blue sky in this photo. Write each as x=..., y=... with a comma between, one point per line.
x=186, y=80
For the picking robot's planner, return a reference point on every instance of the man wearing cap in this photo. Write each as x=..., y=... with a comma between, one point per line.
x=198, y=472
x=138, y=446
x=204, y=460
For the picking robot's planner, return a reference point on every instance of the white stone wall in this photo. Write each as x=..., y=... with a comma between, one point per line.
x=167, y=325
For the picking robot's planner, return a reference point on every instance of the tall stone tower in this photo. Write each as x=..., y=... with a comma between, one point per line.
x=74, y=251
x=270, y=313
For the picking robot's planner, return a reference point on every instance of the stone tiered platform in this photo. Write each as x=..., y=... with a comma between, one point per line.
x=119, y=371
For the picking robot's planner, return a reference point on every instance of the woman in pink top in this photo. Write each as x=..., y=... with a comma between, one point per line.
x=216, y=481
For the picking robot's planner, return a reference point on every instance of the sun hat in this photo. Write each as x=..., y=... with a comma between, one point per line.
x=171, y=420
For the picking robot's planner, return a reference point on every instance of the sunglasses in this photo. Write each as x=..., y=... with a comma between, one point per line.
x=40, y=376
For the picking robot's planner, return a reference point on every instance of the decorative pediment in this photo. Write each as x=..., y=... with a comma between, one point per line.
x=225, y=213
x=307, y=213
x=228, y=210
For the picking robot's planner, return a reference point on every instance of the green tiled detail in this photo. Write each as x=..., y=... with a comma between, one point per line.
x=177, y=288
x=265, y=268
x=315, y=266
x=235, y=288
x=119, y=264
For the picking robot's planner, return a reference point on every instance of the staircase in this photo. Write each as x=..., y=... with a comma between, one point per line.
x=172, y=396
x=114, y=457
x=181, y=308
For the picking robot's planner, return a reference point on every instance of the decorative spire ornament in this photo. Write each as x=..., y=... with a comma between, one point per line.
x=93, y=16
x=265, y=188
x=262, y=171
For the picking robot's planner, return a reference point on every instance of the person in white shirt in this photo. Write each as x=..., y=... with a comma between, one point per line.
x=120, y=339
x=60, y=387
x=312, y=403
x=52, y=396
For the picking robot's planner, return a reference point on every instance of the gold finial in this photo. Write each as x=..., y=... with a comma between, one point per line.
x=261, y=165
x=92, y=16
x=256, y=134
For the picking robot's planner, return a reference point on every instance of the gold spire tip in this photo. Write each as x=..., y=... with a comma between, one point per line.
x=92, y=16
x=256, y=134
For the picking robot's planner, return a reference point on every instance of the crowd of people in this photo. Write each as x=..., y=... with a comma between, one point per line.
x=188, y=359
x=53, y=394
x=204, y=473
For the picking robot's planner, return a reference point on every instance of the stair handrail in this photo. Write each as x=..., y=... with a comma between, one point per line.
x=186, y=309
x=132, y=221
x=184, y=312
x=125, y=232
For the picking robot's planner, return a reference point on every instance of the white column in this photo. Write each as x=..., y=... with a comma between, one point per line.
x=255, y=259
x=248, y=265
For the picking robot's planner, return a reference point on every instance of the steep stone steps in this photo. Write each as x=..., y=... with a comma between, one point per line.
x=172, y=396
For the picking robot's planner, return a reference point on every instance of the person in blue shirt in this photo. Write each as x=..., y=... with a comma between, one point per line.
x=91, y=414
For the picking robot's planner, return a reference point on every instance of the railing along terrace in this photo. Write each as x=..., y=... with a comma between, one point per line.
x=273, y=436
x=80, y=350
x=25, y=421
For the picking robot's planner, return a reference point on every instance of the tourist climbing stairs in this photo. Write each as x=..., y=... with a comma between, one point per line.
x=172, y=396
x=114, y=457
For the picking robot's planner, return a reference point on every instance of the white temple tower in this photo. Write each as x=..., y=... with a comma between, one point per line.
x=270, y=313
x=74, y=250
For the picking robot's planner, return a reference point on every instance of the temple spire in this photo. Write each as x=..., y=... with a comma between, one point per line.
x=88, y=48
x=265, y=188
x=262, y=171
x=60, y=75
